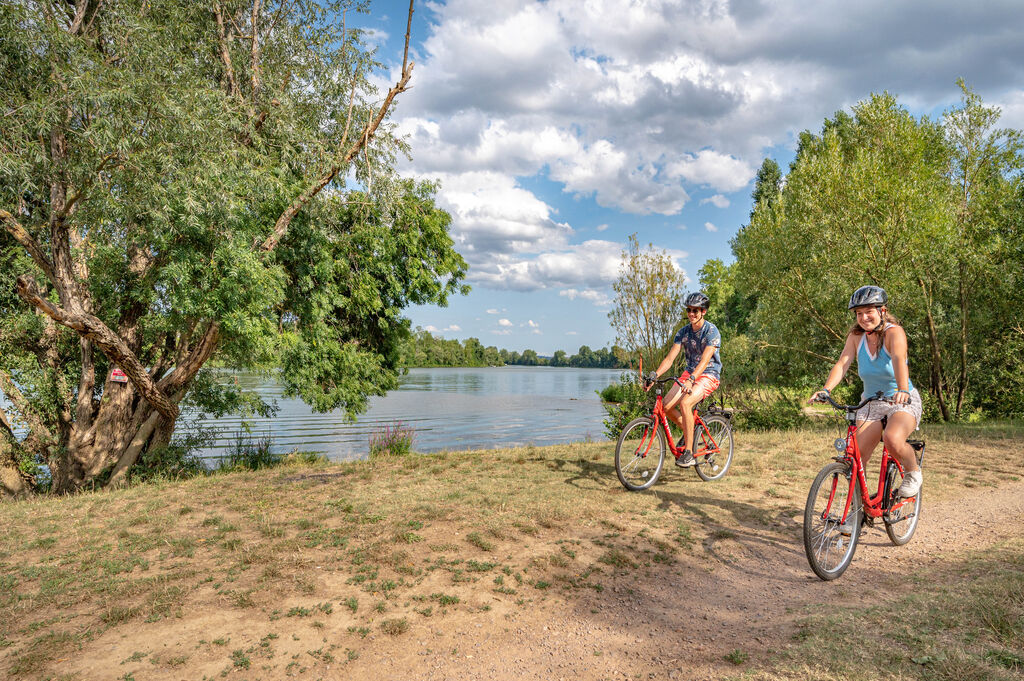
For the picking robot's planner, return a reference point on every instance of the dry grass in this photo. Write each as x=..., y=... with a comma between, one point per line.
x=372, y=546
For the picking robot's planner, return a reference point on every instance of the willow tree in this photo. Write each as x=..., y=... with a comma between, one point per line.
x=648, y=305
x=182, y=181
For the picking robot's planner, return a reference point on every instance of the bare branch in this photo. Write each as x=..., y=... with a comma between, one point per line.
x=255, y=50
x=91, y=328
x=225, y=52
x=22, y=236
x=368, y=133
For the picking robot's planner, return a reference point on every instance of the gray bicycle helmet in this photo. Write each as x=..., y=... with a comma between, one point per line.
x=697, y=299
x=868, y=295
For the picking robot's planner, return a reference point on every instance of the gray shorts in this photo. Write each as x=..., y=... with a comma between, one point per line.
x=879, y=409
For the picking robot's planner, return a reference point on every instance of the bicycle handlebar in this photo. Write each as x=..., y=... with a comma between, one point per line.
x=851, y=407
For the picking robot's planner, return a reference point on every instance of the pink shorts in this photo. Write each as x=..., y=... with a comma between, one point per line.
x=705, y=385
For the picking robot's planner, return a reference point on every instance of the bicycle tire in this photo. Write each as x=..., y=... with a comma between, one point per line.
x=713, y=466
x=828, y=551
x=638, y=471
x=901, y=524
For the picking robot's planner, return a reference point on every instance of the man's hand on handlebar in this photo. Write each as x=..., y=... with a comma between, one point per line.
x=649, y=380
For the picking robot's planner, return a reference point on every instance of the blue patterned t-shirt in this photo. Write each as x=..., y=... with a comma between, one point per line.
x=694, y=342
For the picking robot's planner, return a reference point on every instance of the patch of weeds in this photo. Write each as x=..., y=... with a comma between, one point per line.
x=477, y=540
x=444, y=599
x=352, y=603
x=221, y=641
x=617, y=559
x=381, y=606
x=722, y=533
x=426, y=612
x=299, y=611
x=137, y=656
x=321, y=654
x=241, y=599
x=1006, y=659
x=415, y=525
x=118, y=614
x=361, y=632
x=351, y=655
x=394, y=627
x=408, y=537
x=736, y=657
x=541, y=584
x=443, y=548
x=530, y=530
x=393, y=439
x=474, y=566
x=240, y=659
x=325, y=608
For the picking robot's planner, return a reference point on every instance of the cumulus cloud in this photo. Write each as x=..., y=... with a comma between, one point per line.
x=718, y=201
x=504, y=322
x=598, y=298
x=591, y=264
x=492, y=311
x=710, y=227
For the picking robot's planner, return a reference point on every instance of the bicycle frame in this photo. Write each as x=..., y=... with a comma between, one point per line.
x=874, y=506
x=660, y=417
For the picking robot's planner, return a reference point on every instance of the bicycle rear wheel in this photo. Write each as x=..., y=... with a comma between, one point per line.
x=713, y=465
x=828, y=551
x=640, y=453
x=900, y=523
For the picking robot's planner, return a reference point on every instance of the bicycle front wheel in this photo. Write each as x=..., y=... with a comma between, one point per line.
x=640, y=453
x=829, y=551
x=900, y=523
x=712, y=448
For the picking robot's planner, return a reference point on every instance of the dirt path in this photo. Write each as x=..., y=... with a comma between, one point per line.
x=680, y=620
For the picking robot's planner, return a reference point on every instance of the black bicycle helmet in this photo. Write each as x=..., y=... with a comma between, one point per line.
x=697, y=299
x=868, y=295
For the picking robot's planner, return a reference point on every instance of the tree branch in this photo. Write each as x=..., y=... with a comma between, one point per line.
x=91, y=328
x=368, y=133
x=225, y=53
x=22, y=236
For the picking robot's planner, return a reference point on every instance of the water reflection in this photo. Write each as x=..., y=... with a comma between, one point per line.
x=448, y=408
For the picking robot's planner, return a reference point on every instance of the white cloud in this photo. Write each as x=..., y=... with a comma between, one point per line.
x=532, y=324
x=713, y=169
x=492, y=311
x=453, y=328
x=598, y=298
x=571, y=333
x=710, y=227
x=718, y=201
x=504, y=322
x=431, y=328
x=593, y=263
x=601, y=228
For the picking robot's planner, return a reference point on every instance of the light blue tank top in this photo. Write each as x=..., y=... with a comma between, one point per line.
x=877, y=372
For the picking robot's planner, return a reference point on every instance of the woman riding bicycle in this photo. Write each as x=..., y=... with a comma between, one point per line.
x=702, y=340
x=880, y=345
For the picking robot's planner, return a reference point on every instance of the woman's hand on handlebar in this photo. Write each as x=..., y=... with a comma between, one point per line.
x=820, y=396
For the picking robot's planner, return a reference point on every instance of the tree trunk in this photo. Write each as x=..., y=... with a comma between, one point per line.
x=938, y=381
x=13, y=483
x=962, y=383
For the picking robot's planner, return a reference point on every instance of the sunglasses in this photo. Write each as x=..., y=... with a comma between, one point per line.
x=694, y=310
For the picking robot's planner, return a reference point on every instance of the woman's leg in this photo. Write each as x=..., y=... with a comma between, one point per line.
x=869, y=434
x=901, y=424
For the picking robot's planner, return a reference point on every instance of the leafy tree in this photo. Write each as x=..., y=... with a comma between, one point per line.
x=185, y=181
x=648, y=305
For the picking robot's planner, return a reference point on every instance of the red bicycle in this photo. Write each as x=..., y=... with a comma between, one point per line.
x=833, y=519
x=638, y=461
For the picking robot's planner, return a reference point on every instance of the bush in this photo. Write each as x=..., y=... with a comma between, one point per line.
x=251, y=455
x=391, y=440
x=623, y=402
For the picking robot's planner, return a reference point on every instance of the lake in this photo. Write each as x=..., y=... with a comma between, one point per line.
x=449, y=409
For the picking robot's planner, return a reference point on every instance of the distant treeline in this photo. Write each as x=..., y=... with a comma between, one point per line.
x=423, y=349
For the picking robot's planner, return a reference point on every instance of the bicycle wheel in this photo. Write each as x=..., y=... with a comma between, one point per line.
x=901, y=523
x=714, y=465
x=828, y=551
x=638, y=460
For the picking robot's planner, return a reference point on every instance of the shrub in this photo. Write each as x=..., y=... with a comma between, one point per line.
x=623, y=402
x=391, y=440
x=177, y=461
x=249, y=454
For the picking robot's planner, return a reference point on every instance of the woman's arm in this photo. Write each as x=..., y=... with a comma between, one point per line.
x=841, y=366
x=896, y=345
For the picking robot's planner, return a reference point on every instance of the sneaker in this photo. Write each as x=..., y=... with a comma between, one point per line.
x=911, y=484
x=686, y=459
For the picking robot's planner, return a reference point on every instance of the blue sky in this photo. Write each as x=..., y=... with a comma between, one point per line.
x=558, y=128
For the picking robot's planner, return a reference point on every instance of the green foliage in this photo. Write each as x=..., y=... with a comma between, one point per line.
x=176, y=461
x=623, y=402
x=931, y=211
x=249, y=454
x=423, y=349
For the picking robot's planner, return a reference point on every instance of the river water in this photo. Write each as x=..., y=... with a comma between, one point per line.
x=448, y=409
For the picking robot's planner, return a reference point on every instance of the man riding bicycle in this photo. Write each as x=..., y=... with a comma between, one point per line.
x=701, y=340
